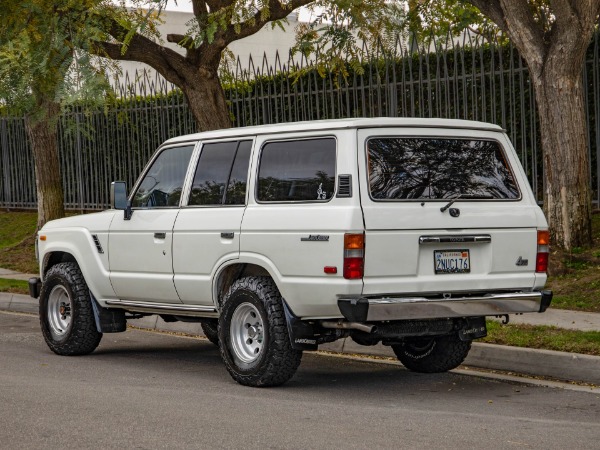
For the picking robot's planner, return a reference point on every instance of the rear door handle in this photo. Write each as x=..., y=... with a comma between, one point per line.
x=160, y=235
x=227, y=235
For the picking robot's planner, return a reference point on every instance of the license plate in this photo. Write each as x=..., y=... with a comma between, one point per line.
x=451, y=261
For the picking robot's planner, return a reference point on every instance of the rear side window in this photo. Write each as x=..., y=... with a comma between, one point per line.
x=302, y=170
x=222, y=174
x=162, y=184
x=434, y=168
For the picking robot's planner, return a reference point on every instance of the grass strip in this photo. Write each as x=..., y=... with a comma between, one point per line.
x=14, y=286
x=544, y=337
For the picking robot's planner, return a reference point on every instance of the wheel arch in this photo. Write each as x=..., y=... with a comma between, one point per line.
x=230, y=273
x=56, y=257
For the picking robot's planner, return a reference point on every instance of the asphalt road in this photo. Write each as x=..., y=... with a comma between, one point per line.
x=150, y=390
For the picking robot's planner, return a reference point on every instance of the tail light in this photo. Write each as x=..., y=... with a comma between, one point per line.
x=354, y=256
x=543, y=248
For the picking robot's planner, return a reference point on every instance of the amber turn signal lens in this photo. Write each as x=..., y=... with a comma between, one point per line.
x=354, y=241
x=42, y=237
x=543, y=237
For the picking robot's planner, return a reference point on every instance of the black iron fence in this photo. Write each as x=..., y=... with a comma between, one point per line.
x=469, y=78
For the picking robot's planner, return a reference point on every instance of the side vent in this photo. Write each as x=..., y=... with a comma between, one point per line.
x=344, y=186
x=97, y=242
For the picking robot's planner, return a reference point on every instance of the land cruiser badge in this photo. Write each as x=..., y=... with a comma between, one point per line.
x=315, y=238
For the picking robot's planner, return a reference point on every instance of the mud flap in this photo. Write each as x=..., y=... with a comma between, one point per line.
x=108, y=320
x=302, y=334
x=474, y=328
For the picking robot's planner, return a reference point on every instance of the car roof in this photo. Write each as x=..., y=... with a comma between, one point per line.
x=317, y=125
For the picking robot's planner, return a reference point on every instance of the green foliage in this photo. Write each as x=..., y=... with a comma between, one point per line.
x=14, y=286
x=343, y=31
x=43, y=55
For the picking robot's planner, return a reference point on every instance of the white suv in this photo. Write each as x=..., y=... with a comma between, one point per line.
x=280, y=238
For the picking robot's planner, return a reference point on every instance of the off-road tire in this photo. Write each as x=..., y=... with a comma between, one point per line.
x=432, y=354
x=277, y=361
x=80, y=336
x=211, y=331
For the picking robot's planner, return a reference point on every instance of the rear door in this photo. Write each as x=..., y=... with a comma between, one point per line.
x=445, y=212
x=207, y=230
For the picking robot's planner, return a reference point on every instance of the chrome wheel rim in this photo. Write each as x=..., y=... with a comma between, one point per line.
x=247, y=333
x=59, y=310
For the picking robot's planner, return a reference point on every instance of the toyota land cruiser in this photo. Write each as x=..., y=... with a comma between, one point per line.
x=280, y=238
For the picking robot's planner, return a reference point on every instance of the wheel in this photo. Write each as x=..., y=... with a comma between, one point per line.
x=66, y=314
x=255, y=344
x=432, y=354
x=211, y=331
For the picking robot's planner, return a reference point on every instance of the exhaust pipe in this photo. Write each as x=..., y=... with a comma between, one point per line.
x=349, y=326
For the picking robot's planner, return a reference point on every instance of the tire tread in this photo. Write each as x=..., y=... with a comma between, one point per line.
x=449, y=353
x=83, y=337
x=281, y=360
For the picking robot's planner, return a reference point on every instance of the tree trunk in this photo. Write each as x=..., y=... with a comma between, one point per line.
x=43, y=138
x=563, y=127
x=206, y=100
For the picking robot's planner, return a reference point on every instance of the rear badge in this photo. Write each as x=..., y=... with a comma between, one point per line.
x=315, y=238
x=522, y=262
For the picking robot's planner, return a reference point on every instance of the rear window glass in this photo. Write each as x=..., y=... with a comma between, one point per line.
x=302, y=170
x=426, y=168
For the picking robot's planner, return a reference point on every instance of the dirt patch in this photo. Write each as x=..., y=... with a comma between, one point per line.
x=20, y=257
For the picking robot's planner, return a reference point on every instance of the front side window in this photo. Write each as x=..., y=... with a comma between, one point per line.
x=163, y=183
x=438, y=168
x=302, y=170
x=222, y=174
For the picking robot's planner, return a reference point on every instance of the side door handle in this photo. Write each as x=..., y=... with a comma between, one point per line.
x=160, y=235
x=227, y=235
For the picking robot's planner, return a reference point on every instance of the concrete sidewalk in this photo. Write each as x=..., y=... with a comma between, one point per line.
x=559, y=365
x=12, y=275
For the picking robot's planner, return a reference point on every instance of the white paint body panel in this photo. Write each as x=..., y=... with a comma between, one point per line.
x=184, y=265
x=73, y=235
x=395, y=262
x=199, y=249
x=141, y=265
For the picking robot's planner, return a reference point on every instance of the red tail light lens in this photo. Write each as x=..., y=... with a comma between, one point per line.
x=541, y=262
x=543, y=249
x=354, y=256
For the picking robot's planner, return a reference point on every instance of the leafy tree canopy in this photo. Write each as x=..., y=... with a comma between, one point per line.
x=43, y=57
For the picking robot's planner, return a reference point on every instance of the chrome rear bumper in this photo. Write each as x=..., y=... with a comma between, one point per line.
x=365, y=309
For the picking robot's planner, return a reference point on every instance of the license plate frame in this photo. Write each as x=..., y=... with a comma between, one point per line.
x=451, y=261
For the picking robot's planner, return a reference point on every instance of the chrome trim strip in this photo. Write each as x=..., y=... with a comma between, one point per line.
x=449, y=239
x=165, y=308
x=405, y=308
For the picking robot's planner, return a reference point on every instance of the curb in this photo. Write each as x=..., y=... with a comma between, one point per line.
x=560, y=365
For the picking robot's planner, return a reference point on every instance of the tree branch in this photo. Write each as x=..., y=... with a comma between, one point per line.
x=492, y=10
x=277, y=12
x=572, y=31
x=182, y=40
x=199, y=8
x=168, y=62
x=516, y=18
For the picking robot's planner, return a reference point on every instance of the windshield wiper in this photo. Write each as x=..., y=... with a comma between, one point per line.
x=473, y=196
x=450, y=203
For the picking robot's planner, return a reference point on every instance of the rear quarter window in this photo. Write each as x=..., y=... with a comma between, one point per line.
x=297, y=171
x=438, y=168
